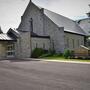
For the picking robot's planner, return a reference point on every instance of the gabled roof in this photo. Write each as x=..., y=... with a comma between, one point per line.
x=61, y=21
x=4, y=37
x=13, y=33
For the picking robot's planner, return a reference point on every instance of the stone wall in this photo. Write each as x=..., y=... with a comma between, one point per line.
x=73, y=41
x=43, y=43
x=2, y=50
x=35, y=13
x=23, y=45
x=56, y=34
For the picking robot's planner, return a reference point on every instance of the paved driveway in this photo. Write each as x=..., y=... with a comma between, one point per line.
x=41, y=75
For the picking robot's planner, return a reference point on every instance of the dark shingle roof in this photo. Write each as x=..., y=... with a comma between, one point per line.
x=14, y=32
x=61, y=21
x=33, y=34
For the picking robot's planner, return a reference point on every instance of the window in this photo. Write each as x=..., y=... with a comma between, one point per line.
x=36, y=45
x=10, y=50
x=10, y=47
x=31, y=24
x=82, y=42
x=67, y=43
x=10, y=53
x=43, y=45
x=78, y=43
x=53, y=45
x=73, y=44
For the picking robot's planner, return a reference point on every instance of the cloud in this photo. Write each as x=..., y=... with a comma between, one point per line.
x=68, y=8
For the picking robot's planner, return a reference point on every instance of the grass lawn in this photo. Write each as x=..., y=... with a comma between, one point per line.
x=55, y=57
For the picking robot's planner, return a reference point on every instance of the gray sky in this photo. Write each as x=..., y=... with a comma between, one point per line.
x=12, y=10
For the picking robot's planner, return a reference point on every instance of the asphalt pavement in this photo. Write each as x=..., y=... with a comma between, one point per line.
x=43, y=75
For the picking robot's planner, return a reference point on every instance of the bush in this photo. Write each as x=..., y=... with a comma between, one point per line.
x=52, y=52
x=67, y=54
x=37, y=52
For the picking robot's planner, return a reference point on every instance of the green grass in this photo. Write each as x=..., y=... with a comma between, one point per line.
x=61, y=58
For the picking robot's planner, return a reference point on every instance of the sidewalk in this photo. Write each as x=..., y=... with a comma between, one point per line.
x=49, y=60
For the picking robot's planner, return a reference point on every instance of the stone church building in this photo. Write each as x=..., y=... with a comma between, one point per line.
x=41, y=28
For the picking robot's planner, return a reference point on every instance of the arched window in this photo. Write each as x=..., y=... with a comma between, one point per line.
x=43, y=45
x=31, y=24
x=73, y=44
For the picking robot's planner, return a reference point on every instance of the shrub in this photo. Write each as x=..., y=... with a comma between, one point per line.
x=67, y=54
x=37, y=52
x=52, y=52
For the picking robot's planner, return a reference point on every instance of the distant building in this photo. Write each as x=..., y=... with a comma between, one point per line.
x=41, y=28
x=85, y=24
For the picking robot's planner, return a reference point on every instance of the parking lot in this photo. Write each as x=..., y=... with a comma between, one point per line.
x=43, y=75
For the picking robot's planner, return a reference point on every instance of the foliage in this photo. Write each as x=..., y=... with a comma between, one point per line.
x=67, y=54
x=72, y=54
x=51, y=55
x=37, y=52
x=52, y=52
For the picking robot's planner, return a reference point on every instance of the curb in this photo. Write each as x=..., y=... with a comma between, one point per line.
x=77, y=62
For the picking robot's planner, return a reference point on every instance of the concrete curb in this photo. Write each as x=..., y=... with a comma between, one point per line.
x=48, y=60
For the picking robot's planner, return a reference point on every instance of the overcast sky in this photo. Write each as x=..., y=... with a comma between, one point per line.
x=12, y=10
